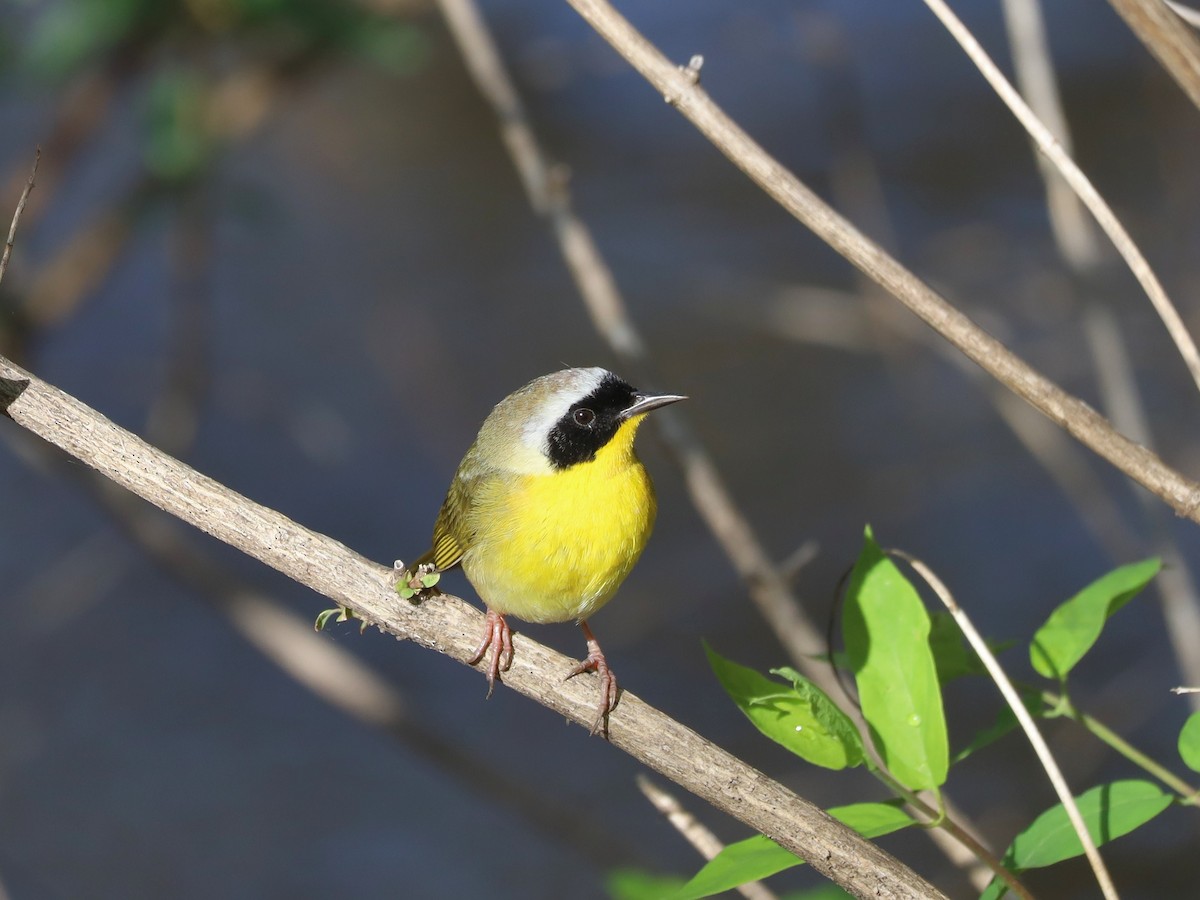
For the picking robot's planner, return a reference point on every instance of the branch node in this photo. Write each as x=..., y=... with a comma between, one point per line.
x=691, y=72
x=558, y=183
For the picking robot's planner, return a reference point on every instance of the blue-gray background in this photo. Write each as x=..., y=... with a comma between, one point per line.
x=348, y=283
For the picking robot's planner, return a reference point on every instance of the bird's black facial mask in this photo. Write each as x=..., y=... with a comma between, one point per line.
x=589, y=424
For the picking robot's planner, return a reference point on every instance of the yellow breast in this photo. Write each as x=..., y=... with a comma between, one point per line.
x=555, y=547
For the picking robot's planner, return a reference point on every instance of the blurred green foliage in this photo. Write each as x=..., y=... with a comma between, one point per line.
x=69, y=34
x=177, y=55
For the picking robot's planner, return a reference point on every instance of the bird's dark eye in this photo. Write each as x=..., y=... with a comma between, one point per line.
x=584, y=417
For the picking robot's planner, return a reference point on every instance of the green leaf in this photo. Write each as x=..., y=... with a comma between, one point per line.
x=1189, y=742
x=1006, y=721
x=1109, y=811
x=338, y=614
x=873, y=820
x=801, y=717
x=753, y=859
x=634, y=884
x=429, y=579
x=760, y=857
x=1074, y=626
x=886, y=631
x=952, y=655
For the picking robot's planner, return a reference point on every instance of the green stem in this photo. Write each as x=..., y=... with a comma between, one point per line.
x=1187, y=793
x=938, y=818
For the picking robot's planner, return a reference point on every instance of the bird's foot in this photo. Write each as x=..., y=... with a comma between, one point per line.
x=595, y=662
x=497, y=636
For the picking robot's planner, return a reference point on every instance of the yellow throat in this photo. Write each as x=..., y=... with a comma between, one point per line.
x=554, y=547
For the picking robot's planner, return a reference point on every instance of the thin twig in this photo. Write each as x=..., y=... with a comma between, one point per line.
x=1050, y=447
x=1076, y=240
x=1186, y=792
x=1071, y=413
x=449, y=625
x=12, y=231
x=1175, y=584
x=331, y=673
x=944, y=821
x=1053, y=150
x=1013, y=699
x=1073, y=231
x=695, y=833
x=1163, y=33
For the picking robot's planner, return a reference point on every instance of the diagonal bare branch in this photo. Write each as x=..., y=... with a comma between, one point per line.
x=449, y=625
x=681, y=89
x=1054, y=151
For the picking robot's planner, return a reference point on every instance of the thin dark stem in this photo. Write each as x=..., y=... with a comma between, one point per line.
x=12, y=231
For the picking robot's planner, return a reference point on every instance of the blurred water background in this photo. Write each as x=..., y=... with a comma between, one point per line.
x=315, y=293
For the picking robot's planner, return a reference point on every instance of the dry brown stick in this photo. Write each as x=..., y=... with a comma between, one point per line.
x=329, y=671
x=325, y=668
x=449, y=625
x=16, y=219
x=680, y=87
x=696, y=833
x=1166, y=36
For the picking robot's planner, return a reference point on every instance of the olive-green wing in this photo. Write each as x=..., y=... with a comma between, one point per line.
x=452, y=531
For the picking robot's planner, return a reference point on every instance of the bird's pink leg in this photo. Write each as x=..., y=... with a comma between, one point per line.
x=498, y=636
x=595, y=662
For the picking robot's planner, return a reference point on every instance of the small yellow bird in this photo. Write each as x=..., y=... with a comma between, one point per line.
x=549, y=510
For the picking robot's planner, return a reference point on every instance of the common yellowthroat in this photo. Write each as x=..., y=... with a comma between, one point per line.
x=549, y=510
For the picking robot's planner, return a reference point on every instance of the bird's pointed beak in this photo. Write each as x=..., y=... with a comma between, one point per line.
x=643, y=403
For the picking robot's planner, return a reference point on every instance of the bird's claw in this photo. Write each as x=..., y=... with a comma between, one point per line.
x=609, y=692
x=498, y=637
